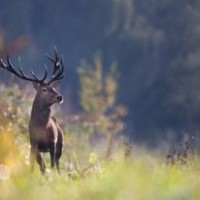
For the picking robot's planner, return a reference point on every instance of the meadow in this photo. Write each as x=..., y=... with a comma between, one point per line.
x=85, y=176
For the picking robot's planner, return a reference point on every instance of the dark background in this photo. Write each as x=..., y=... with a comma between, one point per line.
x=156, y=45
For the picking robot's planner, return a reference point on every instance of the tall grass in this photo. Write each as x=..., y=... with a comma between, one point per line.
x=141, y=177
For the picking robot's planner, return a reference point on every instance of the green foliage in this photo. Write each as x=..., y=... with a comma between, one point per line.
x=98, y=97
x=101, y=113
x=12, y=103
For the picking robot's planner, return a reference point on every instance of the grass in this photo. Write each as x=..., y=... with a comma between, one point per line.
x=142, y=178
x=145, y=176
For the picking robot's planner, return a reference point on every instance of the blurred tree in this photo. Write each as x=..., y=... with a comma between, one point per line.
x=98, y=100
x=162, y=38
x=13, y=116
x=172, y=99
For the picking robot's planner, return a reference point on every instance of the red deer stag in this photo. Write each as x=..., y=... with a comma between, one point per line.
x=44, y=132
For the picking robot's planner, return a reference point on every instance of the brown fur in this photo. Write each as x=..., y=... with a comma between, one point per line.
x=44, y=132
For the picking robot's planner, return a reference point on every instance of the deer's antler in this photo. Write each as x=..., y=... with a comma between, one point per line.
x=58, y=69
x=9, y=67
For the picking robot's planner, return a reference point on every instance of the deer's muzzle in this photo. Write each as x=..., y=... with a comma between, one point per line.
x=59, y=99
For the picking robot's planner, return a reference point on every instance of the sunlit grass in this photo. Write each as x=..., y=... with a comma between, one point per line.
x=142, y=178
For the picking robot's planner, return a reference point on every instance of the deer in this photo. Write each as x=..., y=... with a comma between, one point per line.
x=45, y=134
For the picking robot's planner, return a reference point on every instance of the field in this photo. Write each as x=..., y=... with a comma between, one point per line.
x=85, y=171
x=144, y=175
x=144, y=178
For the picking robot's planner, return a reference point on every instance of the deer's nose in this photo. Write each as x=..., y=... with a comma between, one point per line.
x=60, y=98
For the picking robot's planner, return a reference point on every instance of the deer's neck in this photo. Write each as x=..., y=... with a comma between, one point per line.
x=40, y=113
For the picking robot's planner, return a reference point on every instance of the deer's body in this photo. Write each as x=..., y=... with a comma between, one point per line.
x=45, y=134
x=44, y=131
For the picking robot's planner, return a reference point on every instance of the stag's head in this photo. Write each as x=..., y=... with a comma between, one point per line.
x=45, y=89
x=47, y=94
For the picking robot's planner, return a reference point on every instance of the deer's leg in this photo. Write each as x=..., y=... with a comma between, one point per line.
x=52, y=154
x=58, y=155
x=32, y=156
x=40, y=161
x=59, y=147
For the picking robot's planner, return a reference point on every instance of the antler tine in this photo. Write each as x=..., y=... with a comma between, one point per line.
x=62, y=66
x=2, y=64
x=9, y=67
x=43, y=78
x=24, y=76
x=55, y=61
x=58, y=67
x=50, y=58
x=45, y=74
x=33, y=74
x=56, y=53
x=57, y=76
x=62, y=60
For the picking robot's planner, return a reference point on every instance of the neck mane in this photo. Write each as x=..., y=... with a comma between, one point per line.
x=40, y=113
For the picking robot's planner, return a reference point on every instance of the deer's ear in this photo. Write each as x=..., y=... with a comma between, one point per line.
x=36, y=86
x=55, y=84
